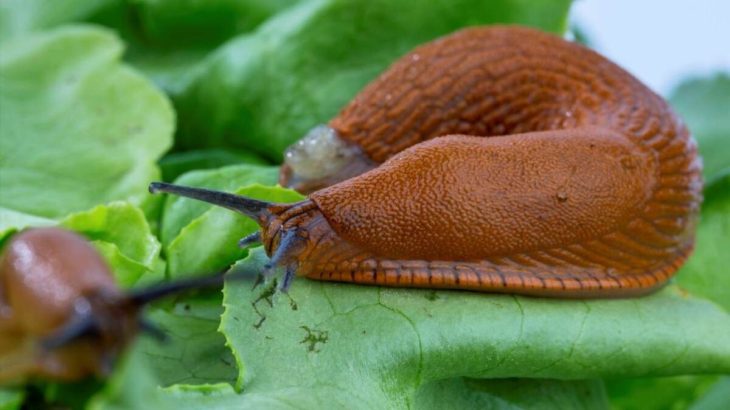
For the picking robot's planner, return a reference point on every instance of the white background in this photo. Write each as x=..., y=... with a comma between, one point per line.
x=660, y=42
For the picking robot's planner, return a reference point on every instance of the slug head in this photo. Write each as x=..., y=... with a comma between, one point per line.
x=65, y=317
x=320, y=159
x=62, y=316
x=286, y=229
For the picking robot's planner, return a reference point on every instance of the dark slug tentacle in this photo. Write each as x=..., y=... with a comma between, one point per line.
x=77, y=326
x=144, y=296
x=253, y=208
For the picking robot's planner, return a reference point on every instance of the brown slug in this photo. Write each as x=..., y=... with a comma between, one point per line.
x=498, y=159
x=62, y=316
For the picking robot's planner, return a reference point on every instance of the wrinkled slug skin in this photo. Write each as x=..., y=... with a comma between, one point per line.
x=586, y=185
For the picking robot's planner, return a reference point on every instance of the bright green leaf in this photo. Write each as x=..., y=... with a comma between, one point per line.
x=120, y=223
x=176, y=24
x=265, y=90
x=121, y=233
x=168, y=38
x=658, y=393
x=706, y=272
x=77, y=127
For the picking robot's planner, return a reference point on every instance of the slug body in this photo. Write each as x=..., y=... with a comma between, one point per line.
x=497, y=159
x=62, y=316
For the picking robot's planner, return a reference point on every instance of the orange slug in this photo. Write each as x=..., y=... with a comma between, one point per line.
x=62, y=316
x=497, y=159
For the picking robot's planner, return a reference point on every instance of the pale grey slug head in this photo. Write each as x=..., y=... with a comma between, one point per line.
x=321, y=158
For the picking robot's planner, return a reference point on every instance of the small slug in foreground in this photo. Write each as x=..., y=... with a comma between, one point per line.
x=498, y=159
x=62, y=316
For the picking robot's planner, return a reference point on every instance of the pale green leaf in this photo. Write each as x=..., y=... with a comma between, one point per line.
x=77, y=127
x=120, y=232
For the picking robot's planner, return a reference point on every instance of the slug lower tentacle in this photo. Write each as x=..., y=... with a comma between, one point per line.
x=496, y=159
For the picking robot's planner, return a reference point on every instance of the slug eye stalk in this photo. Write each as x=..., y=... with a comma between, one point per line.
x=252, y=208
x=283, y=241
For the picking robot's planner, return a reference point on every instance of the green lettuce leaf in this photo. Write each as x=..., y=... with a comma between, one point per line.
x=78, y=128
x=702, y=275
x=132, y=386
x=194, y=352
x=382, y=345
x=677, y=392
x=702, y=103
x=122, y=235
x=177, y=163
x=265, y=90
x=20, y=17
x=166, y=38
x=177, y=24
